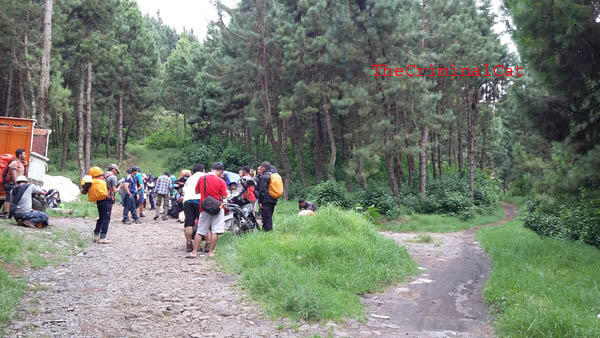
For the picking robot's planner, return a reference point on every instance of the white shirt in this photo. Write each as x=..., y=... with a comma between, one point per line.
x=189, y=188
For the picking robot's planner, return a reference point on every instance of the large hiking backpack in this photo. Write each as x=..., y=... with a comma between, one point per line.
x=275, y=186
x=95, y=184
x=5, y=161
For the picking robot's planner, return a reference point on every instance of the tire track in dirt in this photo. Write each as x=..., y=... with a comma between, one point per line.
x=446, y=299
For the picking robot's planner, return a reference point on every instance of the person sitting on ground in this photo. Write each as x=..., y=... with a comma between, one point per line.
x=21, y=208
x=306, y=208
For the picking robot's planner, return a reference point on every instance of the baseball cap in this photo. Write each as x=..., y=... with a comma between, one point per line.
x=114, y=166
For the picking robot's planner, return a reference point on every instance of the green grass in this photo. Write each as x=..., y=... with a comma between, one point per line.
x=80, y=208
x=440, y=223
x=20, y=248
x=314, y=267
x=149, y=160
x=423, y=239
x=541, y=287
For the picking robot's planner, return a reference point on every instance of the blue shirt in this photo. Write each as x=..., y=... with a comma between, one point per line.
x=132, y=181
x=141, y=180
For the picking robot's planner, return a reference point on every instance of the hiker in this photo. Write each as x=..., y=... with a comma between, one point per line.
x=105, y=206
x=249, y=185
x=140, y=189
x=191, y=205
x=266, y=202
x=15, y=169
x=212, y=191
x=130, y=187
x=162, y=189
x=21, y=208
x=151, y=185
x=306, y=205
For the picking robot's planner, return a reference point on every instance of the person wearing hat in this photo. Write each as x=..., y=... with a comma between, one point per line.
x=130, y=187
x=21, y=208
x=105, y=206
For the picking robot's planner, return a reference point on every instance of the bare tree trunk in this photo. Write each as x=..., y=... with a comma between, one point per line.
x=28, y=67
x=22, y=105
x=297, y=138
x=256, y=143
x=120, y=130
x=389, y=163
x=316, y=147
x=470, y=146
x=345, y=155
x=412, y=168
x=423, y=160
x=398, y=170
x=450, y=133
x=459, y=148
x=81, y=129
x=45, y=71
x=176, y=122
x=439, y=155
x=109, y=129
x=483, y=145
x=100, y=127
x=8, y=90
x=433, y=161
x=247, y=139
x=65, y=141
x=332, y=147
x=88, y=118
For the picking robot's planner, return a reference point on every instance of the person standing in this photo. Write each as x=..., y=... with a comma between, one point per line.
x=151, y=184
x=105, y=206
x=266, y=203
x=214, y=186
x=140, y=190
x=130, y=187
x=191, y=205
x=16, y=168
x=161, y=191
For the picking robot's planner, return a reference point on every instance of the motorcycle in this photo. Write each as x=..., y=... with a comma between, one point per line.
x=50, y=200
x=239, y=217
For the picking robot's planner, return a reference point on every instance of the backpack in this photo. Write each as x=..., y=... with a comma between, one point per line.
x=5, y=161
x=95, y=188
x=275, y=186
x=111, y=194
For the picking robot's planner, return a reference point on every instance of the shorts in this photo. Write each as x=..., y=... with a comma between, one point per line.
x=141, y=197
x=191, y=210
x=215, y=223
x=8, y=187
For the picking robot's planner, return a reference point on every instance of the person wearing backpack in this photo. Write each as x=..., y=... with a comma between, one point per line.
x=21, y=208
x=104, y=205
x=270, y=188
x=129, y=201
x=15, y=168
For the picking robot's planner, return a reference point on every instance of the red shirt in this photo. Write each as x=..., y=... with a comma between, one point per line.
x=249, y=194
x=215, y=187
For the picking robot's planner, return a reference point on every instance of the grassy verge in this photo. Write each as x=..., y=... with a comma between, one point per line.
x=150, y=160
x=80, y=208
x=20, y=248
x=541, y=287
x=315, y=267
x=440, y=223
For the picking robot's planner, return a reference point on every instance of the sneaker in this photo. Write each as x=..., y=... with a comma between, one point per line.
x=155, y=218
x=27, y=223
x=103, y=241
x=137, y=221
x=165, y=218
x=126, y=222
x=142, y=215
x=95, y=238
x=189, y=247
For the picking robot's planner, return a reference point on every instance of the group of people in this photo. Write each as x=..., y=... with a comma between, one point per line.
x=19, y=194
x=191, y=190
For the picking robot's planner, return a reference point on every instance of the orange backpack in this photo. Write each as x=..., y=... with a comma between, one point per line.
x=276, y=186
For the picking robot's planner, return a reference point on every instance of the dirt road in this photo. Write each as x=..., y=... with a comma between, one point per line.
x=140, y=285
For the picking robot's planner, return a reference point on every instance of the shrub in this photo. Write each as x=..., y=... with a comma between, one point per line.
x=207, y=153
x=167, y=138
x=330, y=193
x=379, y=197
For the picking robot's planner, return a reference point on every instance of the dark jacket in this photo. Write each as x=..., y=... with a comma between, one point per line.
x=263, y=188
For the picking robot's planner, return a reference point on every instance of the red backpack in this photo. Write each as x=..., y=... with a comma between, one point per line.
x=5, y=161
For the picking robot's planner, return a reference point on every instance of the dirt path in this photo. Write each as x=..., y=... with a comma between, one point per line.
x=446, y=299
x=140, y=285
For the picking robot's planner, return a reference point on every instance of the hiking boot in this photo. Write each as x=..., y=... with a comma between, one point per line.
x=103, y=241
x=189, y=247
x=27, y=223
x=165, y=218
x=95, y=238
x=137, y=221
x=155, y=217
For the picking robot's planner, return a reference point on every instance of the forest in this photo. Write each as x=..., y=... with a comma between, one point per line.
x=292, y=82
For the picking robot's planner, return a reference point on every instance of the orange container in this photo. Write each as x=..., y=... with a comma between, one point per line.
x=15, y=133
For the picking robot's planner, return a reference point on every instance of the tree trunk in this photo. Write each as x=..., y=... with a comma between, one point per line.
x=412, y=169
x=176, y=122
x=247, y=139
x=483, y=145
x=28, y=67
x=439, y=155
x=22, y=104
x=45, y=71
x=120, y=130
x=100, y=127
x=256, y=143
x=459, y=149
x=450, y=133
x=88, y=118
x=109, y=129
x=345, y=155
x=423, y=161
x=65, y=141
x=316, y=147
x=81, y=128
x=389, y=163
x=8, y=90
x=470, y=146
x=398, y=170
x=433, y=161
x=332, y=147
